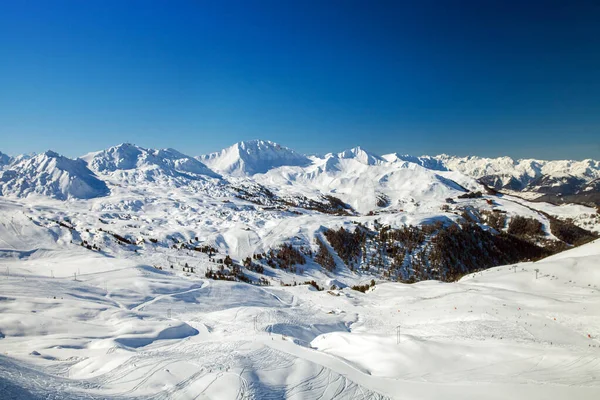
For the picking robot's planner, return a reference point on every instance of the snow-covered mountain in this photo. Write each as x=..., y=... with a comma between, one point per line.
x=4, y=160
x=361, y=155
x=78, y=323
x=428, y=162
x=52, y=175
x=536, y=177
x=253, y=157
x=362, y=179
x=131, y=163
x=365, y=181
x=504, y=172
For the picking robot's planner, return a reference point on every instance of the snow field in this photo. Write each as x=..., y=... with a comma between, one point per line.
x=154, y=334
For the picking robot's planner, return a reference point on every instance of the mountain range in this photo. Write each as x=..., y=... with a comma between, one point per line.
x=269, y=163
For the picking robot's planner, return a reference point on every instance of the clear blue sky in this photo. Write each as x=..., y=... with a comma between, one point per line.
x=518, y=78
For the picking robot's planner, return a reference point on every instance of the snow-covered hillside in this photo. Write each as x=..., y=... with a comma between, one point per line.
x=78, y=324
x=425, y=161
x=252, y=157
x=50, y=174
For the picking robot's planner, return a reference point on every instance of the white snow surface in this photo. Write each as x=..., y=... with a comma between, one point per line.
x=108, y=325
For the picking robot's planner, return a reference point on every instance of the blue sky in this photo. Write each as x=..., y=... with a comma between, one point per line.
x=478, y=77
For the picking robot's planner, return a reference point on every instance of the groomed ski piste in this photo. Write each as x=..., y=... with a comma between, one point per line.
x=77, y=324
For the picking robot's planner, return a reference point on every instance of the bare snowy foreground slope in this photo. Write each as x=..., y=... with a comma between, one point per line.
x=124, y=329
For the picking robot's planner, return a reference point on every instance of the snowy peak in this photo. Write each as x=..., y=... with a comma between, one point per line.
x=123, y=156
x=129, y=157
x=4, y=160
x=479, y=167
x=424, y=161
x=259, y=145
x=253, y=157
x=52, y=175
x=362, y=156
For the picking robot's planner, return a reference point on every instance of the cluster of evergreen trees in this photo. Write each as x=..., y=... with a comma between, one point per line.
x=326, y=204
x=347, y=244
x=471, y=195
x=324, y=257
x=570, y=233
x=523, y=226
x=365, y=287
x=460, y=249
x=433, y=251
x=285, y=257
x=234, y=274
x=495, y=219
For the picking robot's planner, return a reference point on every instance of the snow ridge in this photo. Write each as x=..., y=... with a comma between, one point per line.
x=428, y=162
x=365, y=182
x=253, y=157
x=132, y=162
x=52, y=175
x=361, y=155
x=524, y=171
x=4, y=160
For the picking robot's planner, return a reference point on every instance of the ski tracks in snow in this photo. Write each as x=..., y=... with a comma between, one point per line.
x=140, y=307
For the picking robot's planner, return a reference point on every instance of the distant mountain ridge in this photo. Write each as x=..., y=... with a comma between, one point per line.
x=523, y=169
x=428, y=162
x=137, y=164
x=551, y=179
x=554, y=181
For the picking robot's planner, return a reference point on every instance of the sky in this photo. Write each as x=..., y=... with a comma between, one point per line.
x=488, y=78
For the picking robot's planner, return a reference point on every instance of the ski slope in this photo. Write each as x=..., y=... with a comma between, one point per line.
x=77, y=324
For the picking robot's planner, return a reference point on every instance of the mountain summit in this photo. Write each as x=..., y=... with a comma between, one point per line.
x=361, y=155
x=4, y=160
x=150, y=164
x=52, y=175
x=253, y=157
